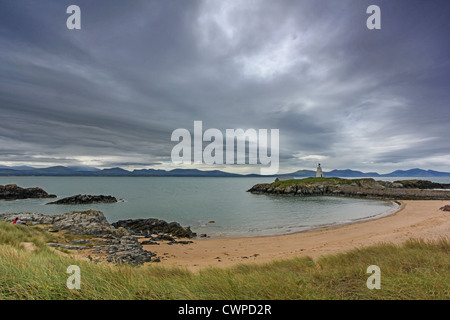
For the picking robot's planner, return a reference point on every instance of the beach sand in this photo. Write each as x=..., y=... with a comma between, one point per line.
x=415, y=219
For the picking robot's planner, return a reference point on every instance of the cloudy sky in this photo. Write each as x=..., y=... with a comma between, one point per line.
x=112, y=93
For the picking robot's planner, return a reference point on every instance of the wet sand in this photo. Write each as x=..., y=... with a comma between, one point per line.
x=415, y=219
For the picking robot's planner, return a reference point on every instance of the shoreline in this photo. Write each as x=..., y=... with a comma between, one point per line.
x=414, y=219
x=321, y=226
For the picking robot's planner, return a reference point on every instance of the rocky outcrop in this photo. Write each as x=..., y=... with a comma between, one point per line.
x=14, y=192
x=85, y=199
x=123, y=250
x=89, y=222
x=128, y=250
x=361, y=188
x=28, y=217
x=119, y=243
x=147, y=227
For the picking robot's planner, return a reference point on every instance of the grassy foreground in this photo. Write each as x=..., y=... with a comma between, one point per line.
x=415, y=270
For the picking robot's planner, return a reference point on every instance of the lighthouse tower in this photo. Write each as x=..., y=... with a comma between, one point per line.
x=319, y=173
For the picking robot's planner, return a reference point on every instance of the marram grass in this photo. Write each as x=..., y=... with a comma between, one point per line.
x=415, y=270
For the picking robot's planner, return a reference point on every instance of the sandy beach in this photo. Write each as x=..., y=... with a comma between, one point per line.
x=415, y=219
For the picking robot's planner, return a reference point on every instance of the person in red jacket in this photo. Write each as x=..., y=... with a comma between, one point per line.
x=18, y=221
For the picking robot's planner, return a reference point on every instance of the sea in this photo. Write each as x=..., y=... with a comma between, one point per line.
x=217, y=207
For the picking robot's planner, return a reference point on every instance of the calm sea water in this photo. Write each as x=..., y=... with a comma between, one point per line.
x=219, y=207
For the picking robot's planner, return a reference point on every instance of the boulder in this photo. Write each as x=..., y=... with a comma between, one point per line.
x=89, y=222
x=128, y=250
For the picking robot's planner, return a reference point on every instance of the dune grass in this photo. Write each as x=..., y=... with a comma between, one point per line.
x=415, y=270
x=16, y=235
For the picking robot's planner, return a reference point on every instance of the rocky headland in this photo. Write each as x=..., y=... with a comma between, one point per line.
x=360, y=188
x=90, y=230
x=14, y=192
x=85, y=199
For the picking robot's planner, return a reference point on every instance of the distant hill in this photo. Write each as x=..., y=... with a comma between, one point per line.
x=351, y=173
x=17, y=168
x=81, y=168
x=301, y=173
x=417, y=173
x=119, y=172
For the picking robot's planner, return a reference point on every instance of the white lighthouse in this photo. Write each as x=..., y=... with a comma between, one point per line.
x=319, y=173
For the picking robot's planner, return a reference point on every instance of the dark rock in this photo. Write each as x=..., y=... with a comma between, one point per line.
x=149, y=242
x=14, y=192
x=446, y=208
x=180, y=242
x=164, y=237
x=127, y=250
x=85, y=199
x=151, y=225
x=183, y=241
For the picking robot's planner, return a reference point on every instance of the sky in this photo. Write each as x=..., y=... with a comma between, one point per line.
x=111, y=94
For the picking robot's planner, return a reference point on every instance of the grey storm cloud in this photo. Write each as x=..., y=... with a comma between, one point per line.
x=114, y=91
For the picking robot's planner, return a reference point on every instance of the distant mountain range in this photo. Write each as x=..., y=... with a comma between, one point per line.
x=119, y=172
x=112, y=172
